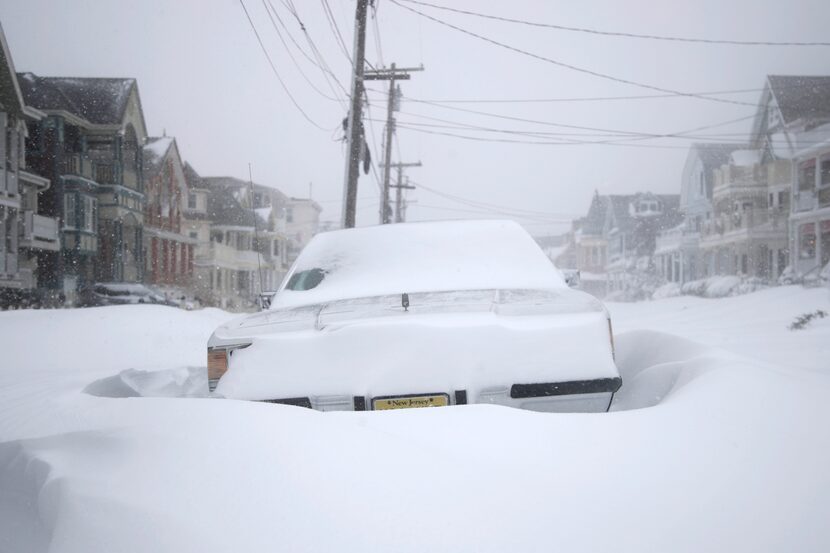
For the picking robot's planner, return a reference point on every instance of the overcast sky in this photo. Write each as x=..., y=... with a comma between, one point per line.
x=204, y=79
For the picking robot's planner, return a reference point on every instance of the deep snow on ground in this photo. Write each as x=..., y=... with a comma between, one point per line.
x=706, y=449
x=753, y=325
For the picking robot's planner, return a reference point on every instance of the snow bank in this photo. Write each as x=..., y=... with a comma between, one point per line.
x=721, y=286
x=753, y=325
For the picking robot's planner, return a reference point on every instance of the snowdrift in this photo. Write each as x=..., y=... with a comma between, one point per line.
x=705, y=450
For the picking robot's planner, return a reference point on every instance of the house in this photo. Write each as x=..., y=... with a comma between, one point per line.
x=632, y=224
x=26, y=235
x=302, y=222
x=169, y=252
x=810, y=208
x=587, y=249
x=270, y=237
x=226, y=263
x=751, y=233
x=589, y=238
x=89, y=145
x=678, y=255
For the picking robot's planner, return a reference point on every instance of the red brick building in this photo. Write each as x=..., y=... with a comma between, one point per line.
x=169, y=258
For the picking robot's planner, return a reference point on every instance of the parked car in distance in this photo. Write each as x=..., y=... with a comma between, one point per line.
x=417, y=315
x=119, y=293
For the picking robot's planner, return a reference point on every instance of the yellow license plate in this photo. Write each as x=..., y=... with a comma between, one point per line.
x=408, y=402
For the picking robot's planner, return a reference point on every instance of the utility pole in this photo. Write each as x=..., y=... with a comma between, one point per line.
x=392, y=75
x=400, y=187
x=355, y=128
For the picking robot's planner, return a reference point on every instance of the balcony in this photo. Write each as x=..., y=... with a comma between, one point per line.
x=39, y=232
x=737, y=179
x=105, y=173
x=676, y=239
x=222, y=255
x=76, y=164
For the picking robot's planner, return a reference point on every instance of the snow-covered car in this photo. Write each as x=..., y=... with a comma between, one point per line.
x=119, y=293
x=417, y=315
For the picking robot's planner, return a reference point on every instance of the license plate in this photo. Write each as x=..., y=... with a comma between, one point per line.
x=408, y=402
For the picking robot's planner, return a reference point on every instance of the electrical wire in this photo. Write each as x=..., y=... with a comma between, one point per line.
x=336, y=30
x=485, y=205
x=568, y=65
x=617, y=33
x=276, y=73
x=334, y=98
x=319, y=59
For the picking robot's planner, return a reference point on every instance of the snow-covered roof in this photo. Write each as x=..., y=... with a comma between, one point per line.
x=99, y=101
x=154, y=152
x=745, y=158
x=801, y=96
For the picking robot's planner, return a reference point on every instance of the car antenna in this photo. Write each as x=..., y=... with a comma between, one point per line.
x=256, y=234
x=405, y=301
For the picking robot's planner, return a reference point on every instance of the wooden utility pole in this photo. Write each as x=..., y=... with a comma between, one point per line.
x=355, y=125
x=400, y=187
x=392, y=75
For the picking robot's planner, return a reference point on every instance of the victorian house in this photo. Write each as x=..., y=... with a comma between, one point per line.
x=750, y=230
x=27, y=237
x=810, y=208
x=169, y=253
x=226, y=263
x=632, y=224
x=678, y=255
x=89, y=145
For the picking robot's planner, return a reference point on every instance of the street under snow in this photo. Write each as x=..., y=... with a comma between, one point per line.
x=717, y=441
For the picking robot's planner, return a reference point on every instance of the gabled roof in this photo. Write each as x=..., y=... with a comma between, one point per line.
x=11, y=96
x=801, y=97
x=625, y=221
x=224, y=209
x=155, y=150
x=594, y=221
x=99, y=101
x=192, y=177
x=713, y=155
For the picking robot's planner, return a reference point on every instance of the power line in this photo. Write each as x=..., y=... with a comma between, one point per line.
x=335, y=29
x=334, y=98
x=618, y=33
x=571, y=99
x=485, y=205
x=376, y=34
x=274, y=69
x=615, y=132
x=318, y=60
x=567, y=65
x=551, y=220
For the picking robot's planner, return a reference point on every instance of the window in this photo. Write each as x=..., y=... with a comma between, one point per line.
x=824, y=178
x=807, y=241
x=89, y=214
x=807, y=175
x=194, y=235
x=305, y=280
x=70, y=219
x=289, y=215
x=276, y=248
x=771, y=199
x=191, y=201
x=782, y=198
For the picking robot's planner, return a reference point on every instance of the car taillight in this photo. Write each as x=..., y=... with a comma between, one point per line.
x=217, y=365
